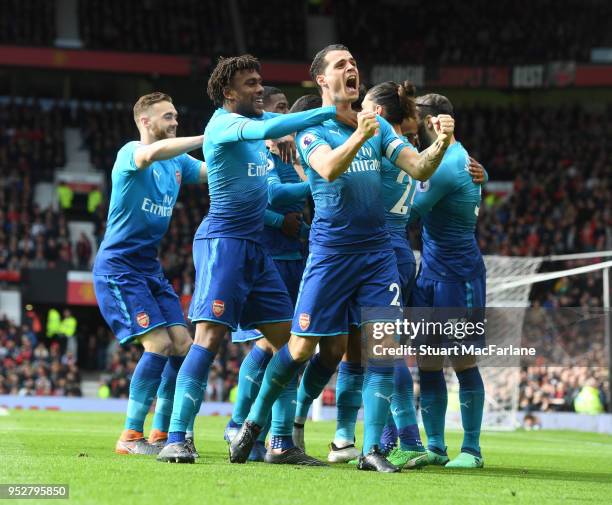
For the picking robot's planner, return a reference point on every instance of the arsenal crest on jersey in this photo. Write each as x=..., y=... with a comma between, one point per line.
x=218, y=307
x=304, y=321
x=142, y=318
x=178, y=176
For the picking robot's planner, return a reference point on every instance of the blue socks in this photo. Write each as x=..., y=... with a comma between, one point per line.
x=349, y=386
x=434, y=399
x=190, y=386
x=281, y=369
x=471, y=398
x=283, y=411
x=143, y=386
x=315, y=378
x=403, y=409
x=377, y=394
x=165, y=393
x=251, y=374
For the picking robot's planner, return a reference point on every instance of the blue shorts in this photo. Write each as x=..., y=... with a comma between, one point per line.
x=291, y=272
x=406, y=263
x=456, y=294
x=451, y=300
x=133, y=304
x=237, y=284
x=333, y=285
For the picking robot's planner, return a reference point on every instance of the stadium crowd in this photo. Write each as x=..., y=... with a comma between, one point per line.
x=31, y=365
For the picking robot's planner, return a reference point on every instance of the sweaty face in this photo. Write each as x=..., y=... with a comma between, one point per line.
x=277, y=103
x=246, y=92
x=162, y=120
x=341, y=77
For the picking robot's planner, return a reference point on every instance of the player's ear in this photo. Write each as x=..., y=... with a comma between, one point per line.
x=321, y=81
x=229, y=94
x=144, y=121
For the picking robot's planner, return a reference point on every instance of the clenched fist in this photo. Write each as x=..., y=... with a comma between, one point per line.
x=444, y=125
x=367, y=124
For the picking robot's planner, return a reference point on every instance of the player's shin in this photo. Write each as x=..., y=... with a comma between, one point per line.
x=283, y=414
x=165, y=399
x=434, y=400
x=377, y=394
x=143, y=386
x=281, y=369
x=349, y=386
x=315, y=378
x=251, y=373
x=471, y=398
x=403, y=409
x=190, y=386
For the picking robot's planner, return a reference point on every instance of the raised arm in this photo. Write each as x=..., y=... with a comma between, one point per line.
x=165, y=149
x=331, y=163
x=422, y=165
x=242, y=128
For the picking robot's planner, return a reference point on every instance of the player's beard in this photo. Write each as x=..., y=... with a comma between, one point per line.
x=160, y=133
x=424, y=141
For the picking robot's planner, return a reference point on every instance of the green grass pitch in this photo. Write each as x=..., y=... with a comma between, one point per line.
x=77, y=449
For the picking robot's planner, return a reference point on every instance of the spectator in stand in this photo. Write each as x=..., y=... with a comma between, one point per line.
x=83, y=252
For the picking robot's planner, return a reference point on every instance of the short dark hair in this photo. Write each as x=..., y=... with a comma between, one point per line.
x=146, y=101
x=318, y=64
x=396, y=99
x=306, y=102
x=223, y=73
x=271, y=91
x=435, y=104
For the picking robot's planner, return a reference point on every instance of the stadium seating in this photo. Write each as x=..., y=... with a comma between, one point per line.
x=470, y=33
x=27, y=22
x=195, y=28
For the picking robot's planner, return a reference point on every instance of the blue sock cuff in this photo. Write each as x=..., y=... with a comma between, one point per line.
x=350, y=368
x=286, y=359
x=470, y=379
x=386, y=370
x=259, y=356
x=197, y=362
x=320, y=368
x=152, y=365
x=432, y=379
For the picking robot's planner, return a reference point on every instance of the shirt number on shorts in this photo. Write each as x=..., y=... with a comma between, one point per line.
x=398, y=292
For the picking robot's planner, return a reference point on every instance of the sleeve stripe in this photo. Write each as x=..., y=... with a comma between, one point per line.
x=240, y=128
x=392, y=147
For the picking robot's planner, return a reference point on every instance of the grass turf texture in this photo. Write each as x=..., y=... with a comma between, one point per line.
x=77, y=449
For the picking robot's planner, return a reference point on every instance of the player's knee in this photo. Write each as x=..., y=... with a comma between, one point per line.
x=265, y=346
x=210, y=335
x=302, y=348
x=181, y=340
x=157, y=341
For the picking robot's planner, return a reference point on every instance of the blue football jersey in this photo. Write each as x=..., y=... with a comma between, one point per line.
x=140, y=209
x=238, y=169
x=274, y=240
x=448, y=204
x=349, y=212
x=398, y=194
